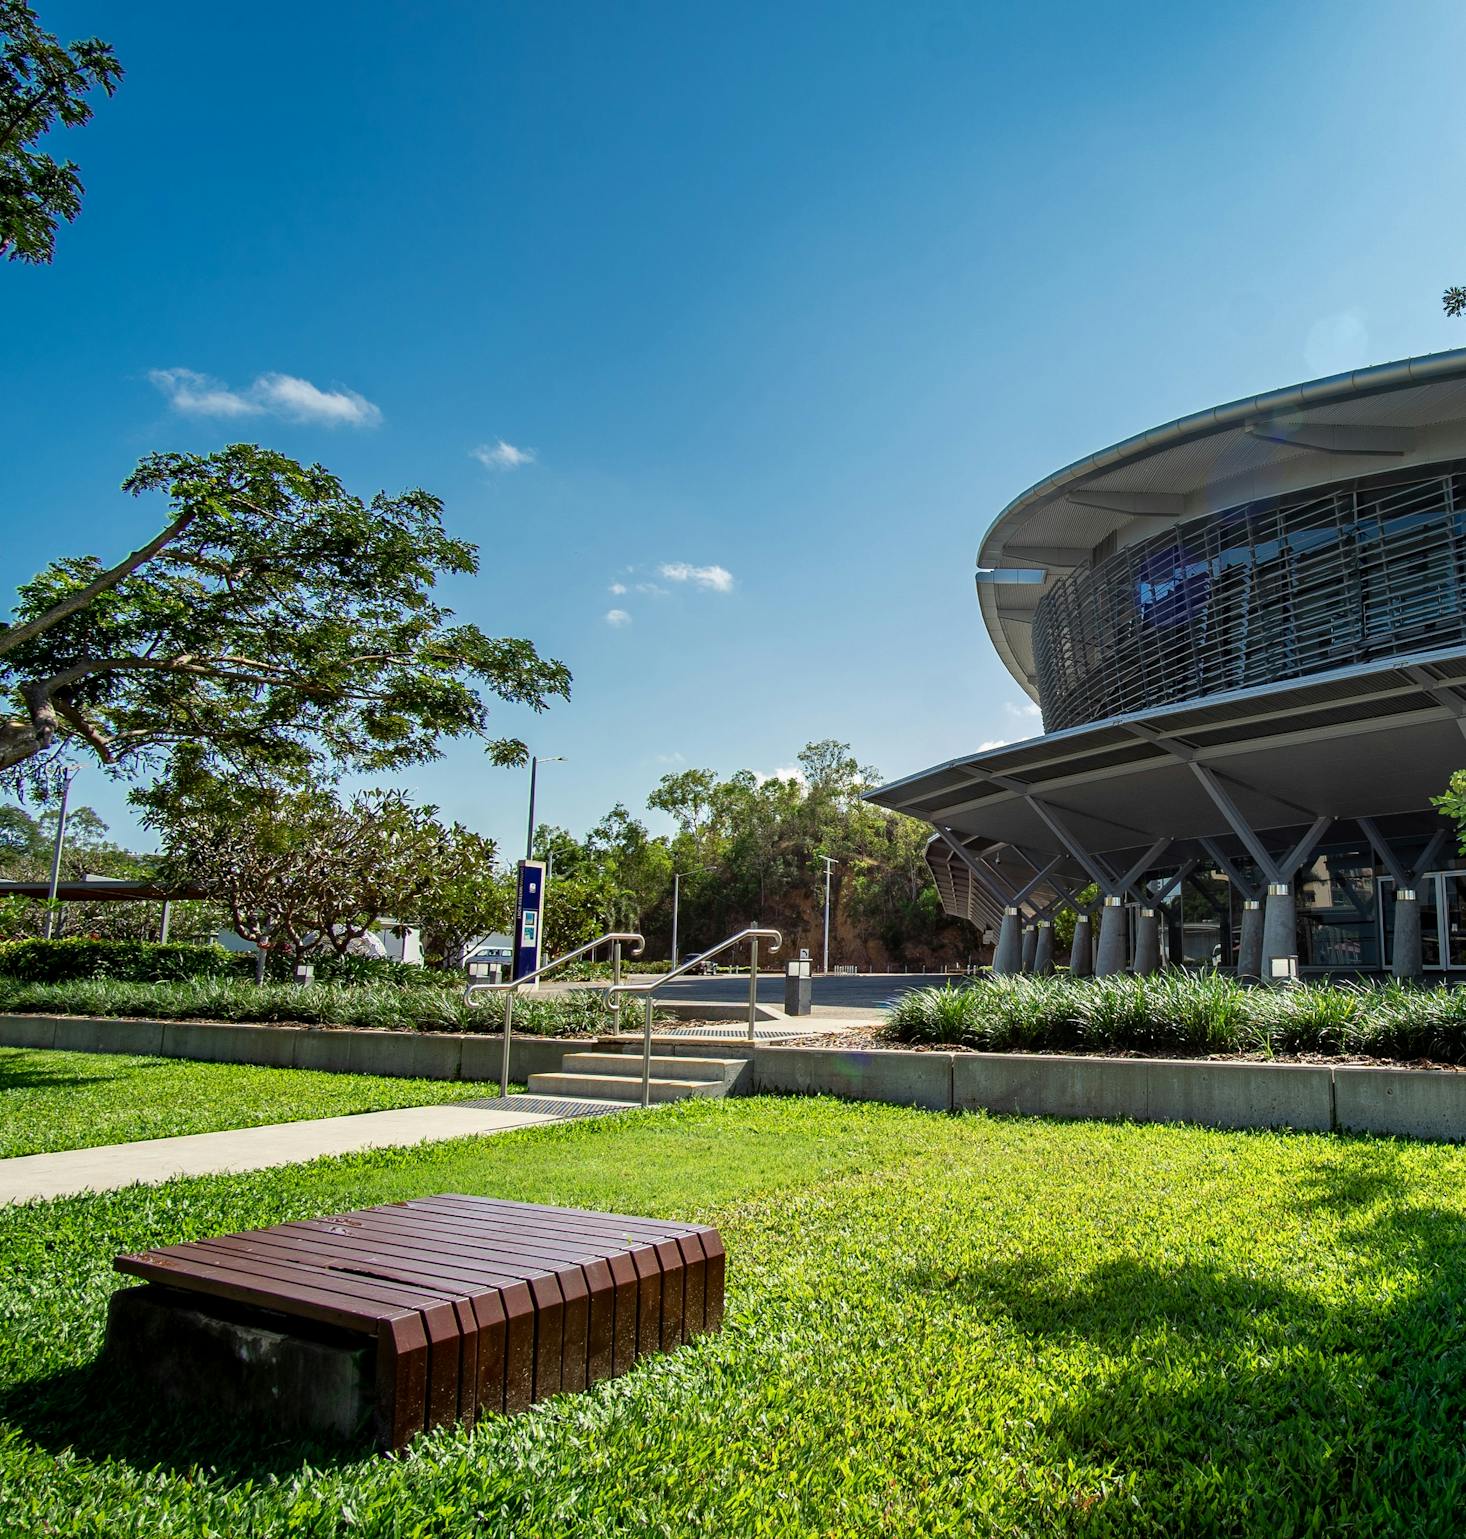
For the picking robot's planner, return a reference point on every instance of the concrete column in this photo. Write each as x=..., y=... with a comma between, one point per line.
x=1081, y=949
x=1406, y=961
x=1112, y=947
x=1043, y=948
x=1279, y=926
x=1008, y=958
x=1030, y=947
x=1249, y=944
x=1147, y=943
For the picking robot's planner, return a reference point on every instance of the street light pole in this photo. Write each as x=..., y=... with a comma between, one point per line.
x=67, y=773
x=830, y=864
x=676, y=897
x=534, y=765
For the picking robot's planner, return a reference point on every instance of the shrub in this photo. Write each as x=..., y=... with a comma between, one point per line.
x=385, y=1006
x=135, y=961
x=1187, y=1013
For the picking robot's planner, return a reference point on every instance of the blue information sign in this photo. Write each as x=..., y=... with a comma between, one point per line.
x=531, y=908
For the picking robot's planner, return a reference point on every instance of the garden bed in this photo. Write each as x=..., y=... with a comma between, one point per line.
x=384, y=1006
x=1185, y=1015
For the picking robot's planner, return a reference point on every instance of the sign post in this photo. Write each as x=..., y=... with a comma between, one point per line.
x=530, y=910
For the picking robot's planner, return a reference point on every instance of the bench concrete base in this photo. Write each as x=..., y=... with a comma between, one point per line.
x=244, y=1365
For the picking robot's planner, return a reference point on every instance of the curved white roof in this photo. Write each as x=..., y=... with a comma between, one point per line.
x=1371, y=420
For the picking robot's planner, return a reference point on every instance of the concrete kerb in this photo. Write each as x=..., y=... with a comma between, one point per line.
x=1212, y=1094
x=896, y=1077
x=275, y=1046
x=1411, y=1103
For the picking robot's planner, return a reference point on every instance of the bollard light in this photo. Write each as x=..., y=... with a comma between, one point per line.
x=1284, y=969
x=304, y=973
x=478, y=971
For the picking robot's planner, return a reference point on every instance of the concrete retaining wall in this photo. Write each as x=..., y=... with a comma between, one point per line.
x=345, y=1050
x=1218, y=1095
x=1412, y=1103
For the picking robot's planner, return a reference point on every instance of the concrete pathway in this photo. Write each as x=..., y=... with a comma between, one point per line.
x=71, y=1171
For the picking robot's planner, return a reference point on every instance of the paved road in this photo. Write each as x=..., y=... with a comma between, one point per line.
x=863, y=991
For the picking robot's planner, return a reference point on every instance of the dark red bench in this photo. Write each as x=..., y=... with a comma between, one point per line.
x=467, y=1305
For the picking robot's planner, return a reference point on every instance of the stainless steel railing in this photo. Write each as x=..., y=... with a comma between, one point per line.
x=649, y=990
x=512, y=986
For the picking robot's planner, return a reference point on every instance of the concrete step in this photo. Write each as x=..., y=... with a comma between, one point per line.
x=664, y=1066
x=605, y=1087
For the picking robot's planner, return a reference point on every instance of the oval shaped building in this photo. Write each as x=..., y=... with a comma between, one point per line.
x=1246, y=631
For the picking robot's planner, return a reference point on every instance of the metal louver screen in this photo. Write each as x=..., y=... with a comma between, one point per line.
x=1268, y=591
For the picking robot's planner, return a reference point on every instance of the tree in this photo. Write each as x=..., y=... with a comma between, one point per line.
x=467, y=898
x=685, y=797
x=42, y=85
x=294, y=866
x=1453, y=301
x=21, y=836
x=274, y=621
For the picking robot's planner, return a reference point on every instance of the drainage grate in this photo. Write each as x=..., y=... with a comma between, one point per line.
x=552, y=1105
x=737, y=1034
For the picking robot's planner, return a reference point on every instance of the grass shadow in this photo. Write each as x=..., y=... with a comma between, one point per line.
x=95, y=1412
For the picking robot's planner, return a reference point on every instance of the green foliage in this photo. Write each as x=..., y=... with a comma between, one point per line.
x=130, y=961
x=277, y=621
x=1452, y=804
x=750, y=850
x=52, y=1101
x=381, y=1005
x=43, y=86
x=1187, y=1013
x=937, y=1326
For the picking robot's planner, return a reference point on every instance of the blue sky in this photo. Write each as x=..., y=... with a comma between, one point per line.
x=776, y=305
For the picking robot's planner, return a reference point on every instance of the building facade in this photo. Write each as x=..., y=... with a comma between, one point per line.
x=1246, y=633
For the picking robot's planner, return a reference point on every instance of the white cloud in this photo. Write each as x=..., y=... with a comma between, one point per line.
x=617, y=588
x=502, y=456
x=271, y=395
x=787, y=772
x=1027, y=709
x=616, y=618
x=716, y=578
x=652, y=589
x=992, y=742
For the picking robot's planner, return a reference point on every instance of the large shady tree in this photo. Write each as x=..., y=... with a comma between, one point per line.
x=274, y=623
x=44, y=85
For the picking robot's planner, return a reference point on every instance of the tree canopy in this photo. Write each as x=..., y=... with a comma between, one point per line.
x=298, y=868
x=275, y=621
x=43, y=85
x=750, y=850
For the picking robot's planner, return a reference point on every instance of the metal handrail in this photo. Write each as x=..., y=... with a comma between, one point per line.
x=511, y=986
x=752, y=935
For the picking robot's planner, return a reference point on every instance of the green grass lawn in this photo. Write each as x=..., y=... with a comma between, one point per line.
x=51, y=1101
x=937, y=1325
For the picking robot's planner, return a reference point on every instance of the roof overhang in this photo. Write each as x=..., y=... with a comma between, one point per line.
x=100, y=890
x=1374, y=742
x=1394, y=415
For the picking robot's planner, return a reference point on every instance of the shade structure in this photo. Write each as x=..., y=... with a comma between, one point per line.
x=1247, y=634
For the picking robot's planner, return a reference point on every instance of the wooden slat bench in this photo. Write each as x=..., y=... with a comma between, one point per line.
x=466, y=1305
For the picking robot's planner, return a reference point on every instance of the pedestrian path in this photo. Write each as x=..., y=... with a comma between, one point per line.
x=71, y=1171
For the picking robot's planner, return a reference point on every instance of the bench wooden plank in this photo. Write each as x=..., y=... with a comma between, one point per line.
x=588, y=1354
x=475, y=1305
